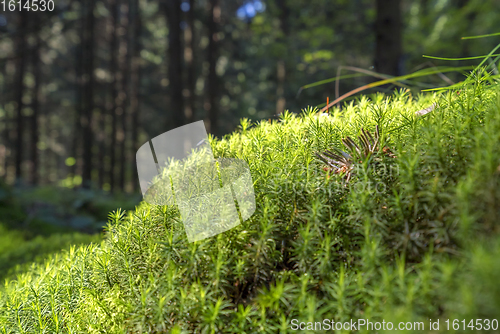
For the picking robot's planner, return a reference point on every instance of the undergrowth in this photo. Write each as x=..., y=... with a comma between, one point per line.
x=411, y=238
x=37, y=221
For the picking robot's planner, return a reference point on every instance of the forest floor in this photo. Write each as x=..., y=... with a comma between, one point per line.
x=37, y=221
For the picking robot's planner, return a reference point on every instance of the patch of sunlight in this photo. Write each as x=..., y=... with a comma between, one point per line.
x=70, y=161
x=318, y=55
x=438, y=29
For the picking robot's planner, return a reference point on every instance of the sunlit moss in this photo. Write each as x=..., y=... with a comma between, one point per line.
x=425, y=245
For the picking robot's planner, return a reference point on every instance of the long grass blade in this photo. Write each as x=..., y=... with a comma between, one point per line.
x=420, y=73
x=481, y=36
x=462, y=58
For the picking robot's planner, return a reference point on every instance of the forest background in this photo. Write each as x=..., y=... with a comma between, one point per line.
x=84, y=83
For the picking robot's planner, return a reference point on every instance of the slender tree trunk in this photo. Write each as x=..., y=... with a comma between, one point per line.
x=101, y=142
x=4, y=146
x=76, y=146
x=88, y=100
x=388, y=36
x=173, y=13
x=125, y=61
x=35, y=105
x=113, y=67
x=135, y=78
x=52, y=154
x=99, y=115
x=281, y=65
x=101, y=139
x=189, y=53
x=21, y=51
x=213, y=56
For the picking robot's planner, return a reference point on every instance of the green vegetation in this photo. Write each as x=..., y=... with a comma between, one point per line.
x=17, y=252
x=35, y=222
x=409, y=238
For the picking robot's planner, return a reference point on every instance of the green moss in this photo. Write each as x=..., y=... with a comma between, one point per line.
x=405, y=246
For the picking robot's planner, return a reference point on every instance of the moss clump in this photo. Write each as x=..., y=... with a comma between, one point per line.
x=405, y=244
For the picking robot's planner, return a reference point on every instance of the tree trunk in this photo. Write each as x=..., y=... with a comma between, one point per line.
x=173, y=13
x=388, y=37
x=113, y=67
x=6, y=144
x=189, y=38
x=88, y=94
x=125, y=61
x=135, y=88
x=213, y=55
x=76, y=152
x=281, y=65
x=35, y=105
x=21, y=51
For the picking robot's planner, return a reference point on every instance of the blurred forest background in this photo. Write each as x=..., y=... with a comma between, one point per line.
x=84, y=85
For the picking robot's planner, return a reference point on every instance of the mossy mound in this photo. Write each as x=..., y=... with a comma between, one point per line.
x=411, y=238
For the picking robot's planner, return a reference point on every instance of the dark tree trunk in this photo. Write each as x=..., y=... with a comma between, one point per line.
x=190, y=63
x=5, y=145
x=100, y=120
x=135, y=88
x=281, y=69
x=36, y=104
x=173, y=13
x=76, y=146
x=21, y=51
x=213, y=55
x=126, y=59
x=113, y=67
x=101, y=139
x=388, y=37
x=88, y=94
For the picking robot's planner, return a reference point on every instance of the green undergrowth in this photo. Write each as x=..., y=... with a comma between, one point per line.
x=17, y=253
x=37, y=221
x=413, y=237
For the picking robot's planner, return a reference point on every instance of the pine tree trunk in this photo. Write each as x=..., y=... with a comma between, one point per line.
x=388, y=37
x=281, y=65
x=5, y=145
x=135, y=88
x=88, y=95
x=21, y=51
x=190, y=64
x=173, y=13
x=35, y=104
x=126, y=59
x=213, y=55
x=76, y=146
x=113, y=67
